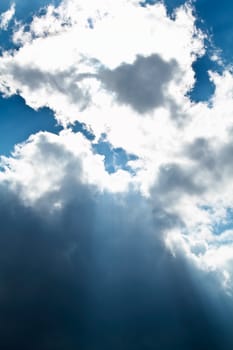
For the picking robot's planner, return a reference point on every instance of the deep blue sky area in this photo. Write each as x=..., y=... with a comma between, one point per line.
x=19, y=121
x=115, y=158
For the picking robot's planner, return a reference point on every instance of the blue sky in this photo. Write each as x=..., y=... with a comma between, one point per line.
x=116, y=149
x=19, y=121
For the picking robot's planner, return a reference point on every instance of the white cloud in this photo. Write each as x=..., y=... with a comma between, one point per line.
x=112, y=42
x=6, y=17
x=40, y=164
x=68, y=80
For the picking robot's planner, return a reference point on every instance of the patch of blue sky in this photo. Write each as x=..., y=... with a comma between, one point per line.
x=80, y=127
x=144, y=3
x=171, y=5
x=203, y=88
x=214, y=18
x=225, y=224
x=114, y=158
x=220, y=225
x=217, y=17
x=18, y=122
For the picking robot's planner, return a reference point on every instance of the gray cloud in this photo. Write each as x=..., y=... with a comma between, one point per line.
x=65, y=82
x=200, y=150
x=175, y=180
x=141, y=85
x=215, y=160
x=95, y=275
x=78, y=280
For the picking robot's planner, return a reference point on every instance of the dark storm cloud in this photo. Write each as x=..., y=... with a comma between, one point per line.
x=95, y=274
x=142, y=85
x=43, y=277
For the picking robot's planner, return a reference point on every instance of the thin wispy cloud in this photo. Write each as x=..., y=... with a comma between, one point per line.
x=6, y=17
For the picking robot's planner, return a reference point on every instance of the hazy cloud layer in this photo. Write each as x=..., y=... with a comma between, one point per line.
x=93, y=274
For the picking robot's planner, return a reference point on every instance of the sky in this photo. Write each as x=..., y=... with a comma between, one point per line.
x=116, y=195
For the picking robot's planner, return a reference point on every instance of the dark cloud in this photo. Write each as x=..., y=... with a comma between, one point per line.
x=217, y=161
x=95, y=275
x=175, y=180
x=142, y=85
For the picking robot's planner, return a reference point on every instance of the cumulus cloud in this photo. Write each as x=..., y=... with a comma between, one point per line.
x=111, y=43
x=129, y=243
